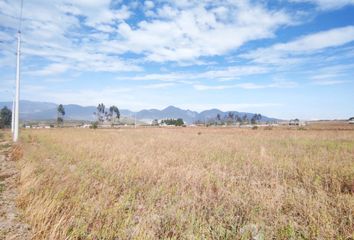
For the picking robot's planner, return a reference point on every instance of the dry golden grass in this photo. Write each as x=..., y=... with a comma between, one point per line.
x=188, y=184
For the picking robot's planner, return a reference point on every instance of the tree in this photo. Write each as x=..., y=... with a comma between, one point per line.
x=60, y=121
x=179, y=122
x=230, y=115
x=5, y=117
x=101, y=112
x=230, y=118
x=256, y=118
x=60, y=114
x=238, y=119
x=113, y=110
x=244, y=118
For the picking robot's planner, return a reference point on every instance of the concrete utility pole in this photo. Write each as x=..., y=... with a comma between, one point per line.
x=17, y=94
x=13, y=116
x=135, y=120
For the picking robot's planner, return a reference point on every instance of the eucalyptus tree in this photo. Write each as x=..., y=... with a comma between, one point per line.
x=60, y=114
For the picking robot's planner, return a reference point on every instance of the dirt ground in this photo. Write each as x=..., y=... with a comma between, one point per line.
x=11, y=226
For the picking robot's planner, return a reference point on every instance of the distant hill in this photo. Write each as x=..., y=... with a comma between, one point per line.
x=30, y=110
x=169, y=112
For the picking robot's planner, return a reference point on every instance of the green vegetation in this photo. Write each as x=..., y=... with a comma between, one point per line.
x=174, y=122
x=5, y=117
x=60, y=113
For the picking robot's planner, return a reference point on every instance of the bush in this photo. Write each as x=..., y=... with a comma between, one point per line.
x=254, y=127
x=5, y=117
x=94, y=125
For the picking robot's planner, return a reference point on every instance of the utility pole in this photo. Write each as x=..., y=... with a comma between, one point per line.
x=17, y=94
x=13, y=116
x=135, y=120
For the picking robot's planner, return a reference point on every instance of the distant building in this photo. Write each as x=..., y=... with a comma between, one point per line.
x=351, y=120
x=296, y=122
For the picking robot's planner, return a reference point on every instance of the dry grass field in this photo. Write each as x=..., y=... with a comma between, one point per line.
x=188, y=183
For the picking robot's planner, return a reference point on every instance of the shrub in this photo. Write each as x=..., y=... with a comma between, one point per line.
x=94, y=125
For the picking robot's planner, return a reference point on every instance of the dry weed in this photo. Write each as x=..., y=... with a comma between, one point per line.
x=180, y=184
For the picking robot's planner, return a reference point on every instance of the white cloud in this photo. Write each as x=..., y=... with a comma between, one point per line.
x=4, y=37
x=333, y=75
x=181, y=31
x=82, y=96
x=149, y=4
x=234, y=72
x=249, y=86
x=329, y=82
x=291, y=52
x=158, y=85
x=53, y=32
x=221, y=74
x=331, y=38
x=201, y=87
x=230, y=106
x=52, y=69
x=186, y=34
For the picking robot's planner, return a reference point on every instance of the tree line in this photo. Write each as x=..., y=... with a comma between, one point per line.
x=112, y=115
x=104, y=114
x=231, y=118
x=173, y=122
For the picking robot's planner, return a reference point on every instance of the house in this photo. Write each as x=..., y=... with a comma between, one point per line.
x=351, y=120
x=294, y=122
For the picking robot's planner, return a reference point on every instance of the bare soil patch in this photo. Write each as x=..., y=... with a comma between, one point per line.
x=11, y=226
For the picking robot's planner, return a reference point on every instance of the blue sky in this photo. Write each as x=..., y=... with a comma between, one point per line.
x=282, y=58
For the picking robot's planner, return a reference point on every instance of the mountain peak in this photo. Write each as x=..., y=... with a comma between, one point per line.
x=171, y=108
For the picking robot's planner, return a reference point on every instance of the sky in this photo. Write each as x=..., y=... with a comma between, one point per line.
x=281, y=58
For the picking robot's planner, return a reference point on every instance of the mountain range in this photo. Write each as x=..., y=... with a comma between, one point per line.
x=30, y=111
